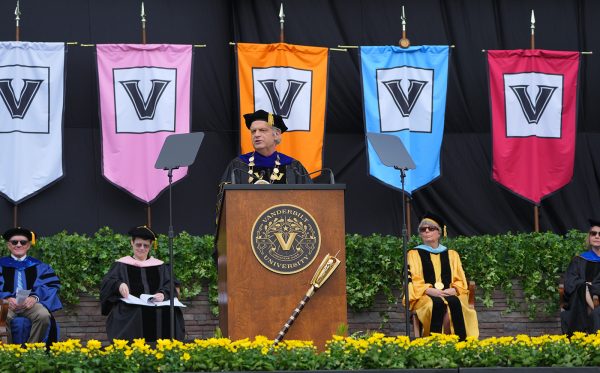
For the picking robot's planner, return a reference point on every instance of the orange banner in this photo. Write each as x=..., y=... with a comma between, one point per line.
x=291, y=81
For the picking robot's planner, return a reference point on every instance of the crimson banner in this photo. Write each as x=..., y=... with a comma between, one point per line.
x=533, y=97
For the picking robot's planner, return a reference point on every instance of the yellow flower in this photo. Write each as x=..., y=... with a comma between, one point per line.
x=185, y=356
x=120, y=344
x=159, y=355
x=93, y=344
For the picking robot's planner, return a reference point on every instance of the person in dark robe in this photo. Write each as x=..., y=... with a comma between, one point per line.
x=582, y=282
x=22, y=272
x=136, y=275
x=438, y=287
x=265, y=165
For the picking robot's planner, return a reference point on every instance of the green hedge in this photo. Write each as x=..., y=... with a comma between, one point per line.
x=374, y=264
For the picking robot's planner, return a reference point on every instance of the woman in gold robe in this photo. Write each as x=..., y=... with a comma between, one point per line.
x=438, y=287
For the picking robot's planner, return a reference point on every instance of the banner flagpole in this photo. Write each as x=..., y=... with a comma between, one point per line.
x=17, y=19
x=404, y=42
x=536, y=209
x=17, y=38
x=143, y=20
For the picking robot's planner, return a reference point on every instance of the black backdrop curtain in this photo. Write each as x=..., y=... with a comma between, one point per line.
x=83, y=201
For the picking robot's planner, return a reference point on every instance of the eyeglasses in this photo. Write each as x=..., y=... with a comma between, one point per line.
x=594, y=233
x=16, y=242
x=138, y=245
x=428, y=229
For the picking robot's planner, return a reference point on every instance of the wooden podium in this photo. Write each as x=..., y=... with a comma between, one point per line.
x=254, y=300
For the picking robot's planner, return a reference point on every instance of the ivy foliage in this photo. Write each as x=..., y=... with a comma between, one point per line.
x=374, y=264
x=535, y=260
x=81, y=261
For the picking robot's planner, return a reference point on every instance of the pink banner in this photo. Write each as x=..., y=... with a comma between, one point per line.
x=144, y=97
x=534, y=105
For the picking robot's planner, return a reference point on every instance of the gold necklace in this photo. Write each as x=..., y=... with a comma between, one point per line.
x=274, y=175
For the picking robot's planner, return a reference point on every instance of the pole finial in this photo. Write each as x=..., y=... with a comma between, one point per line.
x=281, y=22
x=532, y=41
x=17, y=19
x=403, y=19
x=143, y=16
x=404, y=42
x=17, y=13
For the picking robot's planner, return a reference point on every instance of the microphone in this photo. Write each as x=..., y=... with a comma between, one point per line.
x=329, y=170
x=233, y=170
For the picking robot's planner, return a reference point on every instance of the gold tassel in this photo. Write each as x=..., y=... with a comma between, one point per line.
x=155, y=243
x=445, y=233
x=32, y=238
x=271, y=120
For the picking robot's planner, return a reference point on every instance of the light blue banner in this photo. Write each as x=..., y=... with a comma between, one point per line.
x=404, y=95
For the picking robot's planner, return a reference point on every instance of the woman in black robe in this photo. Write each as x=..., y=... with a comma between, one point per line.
x=582, y=282
x=136, y=275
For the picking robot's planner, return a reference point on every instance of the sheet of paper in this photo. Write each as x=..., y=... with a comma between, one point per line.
x=22, y=295
x=145, y=300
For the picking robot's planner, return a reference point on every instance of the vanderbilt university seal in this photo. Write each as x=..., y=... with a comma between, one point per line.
x=285, y=239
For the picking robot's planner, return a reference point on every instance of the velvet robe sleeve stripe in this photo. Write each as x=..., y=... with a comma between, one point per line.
x=46, y=286
x=428, y=270
x=47, y=275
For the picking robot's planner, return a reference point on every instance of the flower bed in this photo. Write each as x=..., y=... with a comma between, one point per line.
x=375, y=351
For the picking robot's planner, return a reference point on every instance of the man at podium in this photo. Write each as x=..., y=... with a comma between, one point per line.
x=265, y=165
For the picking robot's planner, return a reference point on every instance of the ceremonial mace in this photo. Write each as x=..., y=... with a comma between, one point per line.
x=325, y=270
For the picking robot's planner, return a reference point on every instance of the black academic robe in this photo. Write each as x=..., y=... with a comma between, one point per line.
x=237, y=173
x=575, y=317
x=128, y=321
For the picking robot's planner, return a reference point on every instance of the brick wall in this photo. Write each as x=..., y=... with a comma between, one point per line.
x=85, y=321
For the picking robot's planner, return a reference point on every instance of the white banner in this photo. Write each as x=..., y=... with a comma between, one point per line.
x=31, y=117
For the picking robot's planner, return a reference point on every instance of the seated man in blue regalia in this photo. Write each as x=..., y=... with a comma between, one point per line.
x=20, y=273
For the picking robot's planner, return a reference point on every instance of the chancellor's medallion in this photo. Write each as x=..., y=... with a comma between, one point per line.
x=285, y=239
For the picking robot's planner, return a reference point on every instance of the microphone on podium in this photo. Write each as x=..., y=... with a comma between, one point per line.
x=329, y=170
x=233, y=171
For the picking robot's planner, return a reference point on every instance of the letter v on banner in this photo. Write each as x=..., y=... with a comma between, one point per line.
x=533, y=97
x=145, y=93
x=404, y=95
x=31, y=117
x=291, y=81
